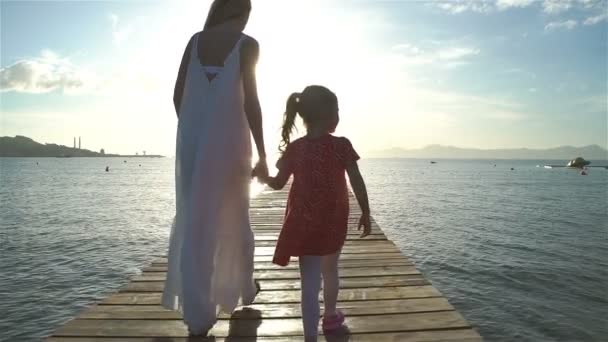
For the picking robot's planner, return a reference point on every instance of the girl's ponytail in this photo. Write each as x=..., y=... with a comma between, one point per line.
x=289, y=121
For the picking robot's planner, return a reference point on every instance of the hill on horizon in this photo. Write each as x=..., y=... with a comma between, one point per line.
x=590, y=152
x=20, y=146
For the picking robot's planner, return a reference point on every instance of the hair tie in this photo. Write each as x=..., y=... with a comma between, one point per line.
x=298, y=103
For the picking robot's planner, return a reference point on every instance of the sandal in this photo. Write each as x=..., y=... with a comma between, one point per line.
x=333, y=323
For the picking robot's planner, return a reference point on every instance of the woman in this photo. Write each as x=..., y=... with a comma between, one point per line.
x=211, y=247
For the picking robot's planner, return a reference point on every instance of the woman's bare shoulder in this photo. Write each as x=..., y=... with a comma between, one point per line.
x=250, y=50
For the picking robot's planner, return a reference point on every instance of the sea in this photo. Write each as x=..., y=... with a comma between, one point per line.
x=520, y=250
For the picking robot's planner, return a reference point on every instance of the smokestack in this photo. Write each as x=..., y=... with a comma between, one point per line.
x=74, y=142
x=79, y=143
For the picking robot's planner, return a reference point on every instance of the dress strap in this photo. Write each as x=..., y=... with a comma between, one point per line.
x=194, y=50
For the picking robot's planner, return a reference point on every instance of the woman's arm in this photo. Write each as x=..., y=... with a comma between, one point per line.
x=250, y=52
x=181, y=78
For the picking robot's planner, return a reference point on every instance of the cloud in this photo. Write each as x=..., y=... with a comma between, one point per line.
x=593, y=103
x=119, y=34
x=40, y=75
x=480, y=6
x=407, y=48
x=556, y=6
x=435, y=53
x=456, y=53
x=596, y=19
x=505, y=115
x=559, y=25
x=519, y=71
x=51, y=72
x=488, y=6
x=460, y=6
x=506, y=4
x=462, y=105
x=560, y=6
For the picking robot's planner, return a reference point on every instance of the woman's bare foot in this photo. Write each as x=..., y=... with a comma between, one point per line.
x=196, y=333
x=248, y=300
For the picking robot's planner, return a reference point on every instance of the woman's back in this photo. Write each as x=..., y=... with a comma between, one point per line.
x=213, y=49
x=214, y=46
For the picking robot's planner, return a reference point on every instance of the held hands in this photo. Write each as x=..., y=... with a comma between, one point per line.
x=260, y=170
x=365, y=222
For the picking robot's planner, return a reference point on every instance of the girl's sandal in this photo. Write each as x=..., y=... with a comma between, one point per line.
x=331, y=324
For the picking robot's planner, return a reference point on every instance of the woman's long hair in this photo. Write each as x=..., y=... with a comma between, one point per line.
x=222, y=11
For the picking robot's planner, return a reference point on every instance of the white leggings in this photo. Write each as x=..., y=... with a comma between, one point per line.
x=311, y=268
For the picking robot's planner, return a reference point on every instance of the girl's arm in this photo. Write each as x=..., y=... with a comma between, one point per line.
x=181, y=78
x=279, y=181
x=358, y=185
x=249, y=58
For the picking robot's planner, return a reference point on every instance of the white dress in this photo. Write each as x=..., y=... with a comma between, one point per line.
x=211, y=246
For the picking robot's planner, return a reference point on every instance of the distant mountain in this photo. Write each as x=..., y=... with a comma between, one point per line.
x=591, y=152
x=21, y=146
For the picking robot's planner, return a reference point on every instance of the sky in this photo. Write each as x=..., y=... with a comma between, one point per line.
x=477, y=74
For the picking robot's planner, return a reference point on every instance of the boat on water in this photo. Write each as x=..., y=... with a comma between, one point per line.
x=578, y=162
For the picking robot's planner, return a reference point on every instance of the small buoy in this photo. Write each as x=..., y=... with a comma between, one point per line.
x=139, y=164
x=512, y=169
x=107, y=169
x=494, y=165
x=125, y=161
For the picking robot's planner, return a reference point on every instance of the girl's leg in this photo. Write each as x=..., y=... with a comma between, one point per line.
x=310, y=273
x=331, y=283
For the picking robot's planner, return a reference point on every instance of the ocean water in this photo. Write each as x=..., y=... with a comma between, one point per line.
x=523, y=253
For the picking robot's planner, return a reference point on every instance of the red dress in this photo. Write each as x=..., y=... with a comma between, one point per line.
x=316, y=217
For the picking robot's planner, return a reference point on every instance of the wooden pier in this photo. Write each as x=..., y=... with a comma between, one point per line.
x=384, y=297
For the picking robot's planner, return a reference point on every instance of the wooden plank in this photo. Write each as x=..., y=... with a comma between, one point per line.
x=292, y=295
x=295, y=274
x=447, y=335
x=261, y=327
x=162, y=266
x=352, y=221
x=343, y=257
x=275, y=310
x=349, y=283
x=368, y=242
x=374, y=247
x=274, y=236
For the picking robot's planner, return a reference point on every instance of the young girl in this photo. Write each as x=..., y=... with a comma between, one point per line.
x=317, y=208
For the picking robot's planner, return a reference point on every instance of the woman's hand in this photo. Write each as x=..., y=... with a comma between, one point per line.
x=260, y=170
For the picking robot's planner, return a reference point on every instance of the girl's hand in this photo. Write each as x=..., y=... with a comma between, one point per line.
x=365, y=222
